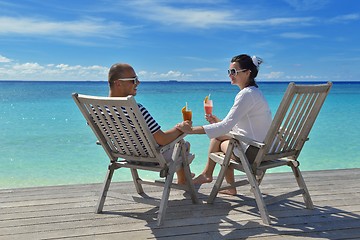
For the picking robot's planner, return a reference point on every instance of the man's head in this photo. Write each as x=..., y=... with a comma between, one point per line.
x=122, y=80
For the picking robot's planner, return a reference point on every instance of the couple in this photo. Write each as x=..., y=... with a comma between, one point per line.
x=250, y=114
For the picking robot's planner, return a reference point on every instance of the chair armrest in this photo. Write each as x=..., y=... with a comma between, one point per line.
x=246, y=140
x=171, y=144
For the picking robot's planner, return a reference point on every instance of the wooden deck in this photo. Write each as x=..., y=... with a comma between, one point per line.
x=67, y=212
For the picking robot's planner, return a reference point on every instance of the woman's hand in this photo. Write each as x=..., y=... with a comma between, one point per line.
x=212, y=118
x=185, y=126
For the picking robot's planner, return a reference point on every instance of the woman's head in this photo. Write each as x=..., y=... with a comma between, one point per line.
x=250, y=64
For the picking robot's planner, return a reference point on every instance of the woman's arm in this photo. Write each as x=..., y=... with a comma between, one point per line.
x=187, y=127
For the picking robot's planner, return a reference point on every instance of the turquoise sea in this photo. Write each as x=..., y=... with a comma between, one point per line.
x=44, y=140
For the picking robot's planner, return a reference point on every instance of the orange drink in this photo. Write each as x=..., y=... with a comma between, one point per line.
x=187, y=113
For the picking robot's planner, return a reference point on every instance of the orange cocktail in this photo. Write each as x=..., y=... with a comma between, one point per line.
x=187, y=113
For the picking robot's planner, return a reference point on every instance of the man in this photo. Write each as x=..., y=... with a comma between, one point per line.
x=123, y=82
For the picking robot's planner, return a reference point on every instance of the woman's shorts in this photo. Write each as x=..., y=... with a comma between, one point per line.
x=250, y=153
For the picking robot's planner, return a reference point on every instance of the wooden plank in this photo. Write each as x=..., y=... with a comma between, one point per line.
x=59, y=212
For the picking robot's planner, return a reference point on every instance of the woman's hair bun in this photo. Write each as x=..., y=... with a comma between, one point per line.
x=257, y=61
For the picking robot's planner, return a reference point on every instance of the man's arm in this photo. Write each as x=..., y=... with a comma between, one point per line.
x=186, y=127
x=163, y=138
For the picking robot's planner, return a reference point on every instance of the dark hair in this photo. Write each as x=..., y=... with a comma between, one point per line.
x=246, y=62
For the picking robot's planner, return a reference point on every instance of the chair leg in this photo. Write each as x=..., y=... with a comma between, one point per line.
x=255, y=189
x=302, y=185
x=166, y=193
x=135, y=177
x=190, y=185
x=104, y=189
x=258, y=197
x=217, y=184
x=260, y=176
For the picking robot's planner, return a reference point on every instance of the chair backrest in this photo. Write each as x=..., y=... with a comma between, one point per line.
x=293, y=121
x=120, y=127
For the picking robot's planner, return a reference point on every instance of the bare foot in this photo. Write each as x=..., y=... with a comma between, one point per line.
x=230, y=191
x=202, y=178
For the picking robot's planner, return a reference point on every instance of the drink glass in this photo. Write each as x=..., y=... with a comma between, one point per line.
x=208, y=107
x=187, y=115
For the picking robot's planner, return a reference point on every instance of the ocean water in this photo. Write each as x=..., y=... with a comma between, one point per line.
x=44, y=140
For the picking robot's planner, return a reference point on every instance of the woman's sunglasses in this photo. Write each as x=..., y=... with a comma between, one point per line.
x=234, y=72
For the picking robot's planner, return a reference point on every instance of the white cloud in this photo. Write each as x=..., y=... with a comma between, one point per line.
x=80, y=28
x=272, y=75
x=296, y=35
x=202, y=17
x=200, y=14
x=27, y=68
x=66, y=67
x=205, y=70
x=303, y=77
x=36, y=71
x=4, y=59
x=346, y=18
x=280, y=21
x=198, y=18
x=170, y=75
x=304, y=5
x=283, y=76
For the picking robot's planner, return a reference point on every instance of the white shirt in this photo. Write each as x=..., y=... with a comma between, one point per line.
x=250, y=116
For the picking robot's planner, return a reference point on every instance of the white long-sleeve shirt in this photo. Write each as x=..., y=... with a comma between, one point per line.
x=249, y=116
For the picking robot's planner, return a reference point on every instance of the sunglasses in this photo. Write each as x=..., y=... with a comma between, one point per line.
x=234, y=72
x=134, y=79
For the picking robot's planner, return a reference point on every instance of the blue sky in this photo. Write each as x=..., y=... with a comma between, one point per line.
x=299, y=40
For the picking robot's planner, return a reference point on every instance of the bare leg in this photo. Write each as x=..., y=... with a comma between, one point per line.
x=207, y=175
x=181, y=176
x=181, y=179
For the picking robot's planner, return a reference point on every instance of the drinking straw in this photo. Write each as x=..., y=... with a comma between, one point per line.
x=186, y=107
x=209, y=95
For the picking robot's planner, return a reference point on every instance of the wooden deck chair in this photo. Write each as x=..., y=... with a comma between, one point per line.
x=123, y=133
x=282, y=145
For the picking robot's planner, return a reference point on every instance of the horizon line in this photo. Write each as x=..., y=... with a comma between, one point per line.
x=190, y=81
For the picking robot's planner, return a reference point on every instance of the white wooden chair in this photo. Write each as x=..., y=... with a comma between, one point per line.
x=124, y=135
x=282, y=145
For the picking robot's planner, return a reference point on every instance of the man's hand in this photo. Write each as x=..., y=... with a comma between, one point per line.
x=185, y=126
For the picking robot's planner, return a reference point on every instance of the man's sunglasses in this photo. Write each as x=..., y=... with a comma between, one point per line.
x=234, y=72
x=134, y=79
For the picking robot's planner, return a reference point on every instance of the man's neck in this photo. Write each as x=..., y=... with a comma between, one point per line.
x=116, y=94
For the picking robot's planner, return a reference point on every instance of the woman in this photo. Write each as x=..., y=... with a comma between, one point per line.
x=249, y=116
